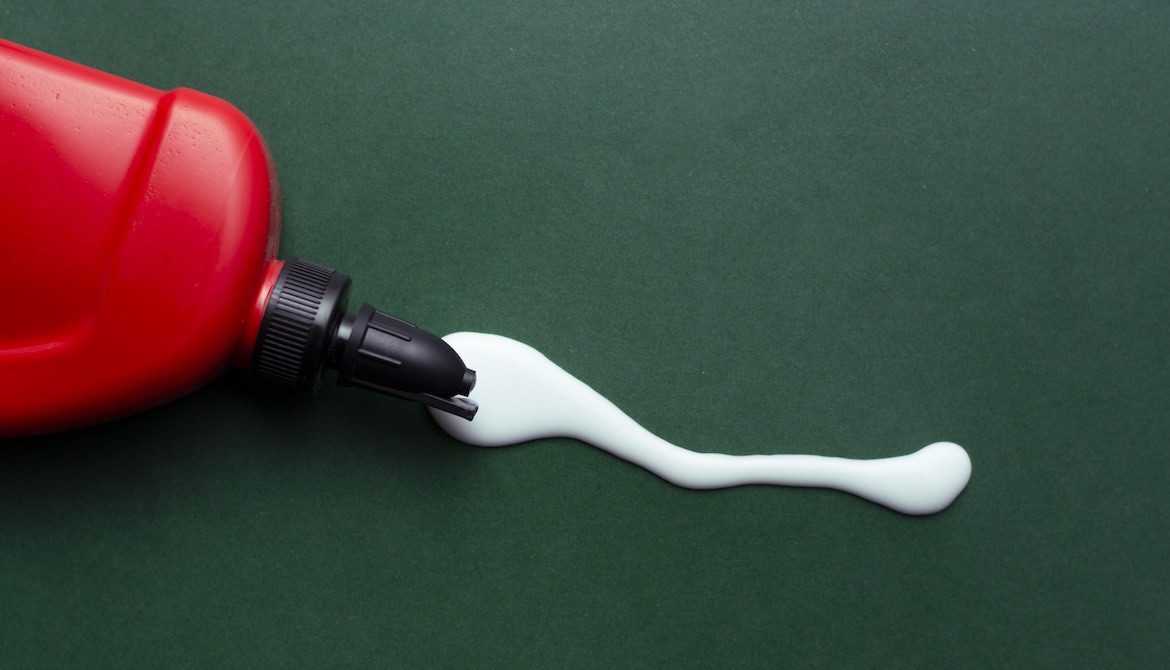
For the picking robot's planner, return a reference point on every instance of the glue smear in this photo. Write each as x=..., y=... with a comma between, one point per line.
x=524, y=396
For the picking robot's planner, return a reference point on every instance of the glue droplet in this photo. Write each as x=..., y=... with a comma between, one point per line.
x=524, y=396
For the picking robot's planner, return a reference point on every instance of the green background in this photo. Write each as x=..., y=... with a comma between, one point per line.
x=824, y=227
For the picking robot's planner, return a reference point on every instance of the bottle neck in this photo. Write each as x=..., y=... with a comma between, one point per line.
x=243, y=357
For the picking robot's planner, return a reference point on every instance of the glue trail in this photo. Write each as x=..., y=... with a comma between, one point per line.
x=523, y=396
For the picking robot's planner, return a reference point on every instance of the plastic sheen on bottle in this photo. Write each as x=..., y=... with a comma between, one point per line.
x=138, y=252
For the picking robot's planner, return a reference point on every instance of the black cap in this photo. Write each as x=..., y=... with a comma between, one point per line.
x=305, y=329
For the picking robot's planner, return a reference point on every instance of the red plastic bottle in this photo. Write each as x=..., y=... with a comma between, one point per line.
x=138, y=241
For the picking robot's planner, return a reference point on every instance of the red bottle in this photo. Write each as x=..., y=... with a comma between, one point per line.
x=138, y=240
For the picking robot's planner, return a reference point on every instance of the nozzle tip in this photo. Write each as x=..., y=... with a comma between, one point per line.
x=468, y=383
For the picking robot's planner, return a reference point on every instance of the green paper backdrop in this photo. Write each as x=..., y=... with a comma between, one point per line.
x=823, y=227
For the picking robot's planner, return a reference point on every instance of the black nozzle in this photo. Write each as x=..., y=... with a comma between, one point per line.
x=305, y=329
x=383, y=353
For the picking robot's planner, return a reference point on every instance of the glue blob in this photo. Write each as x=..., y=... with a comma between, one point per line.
x=524, y=396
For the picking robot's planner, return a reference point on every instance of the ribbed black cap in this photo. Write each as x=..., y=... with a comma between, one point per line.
x=305, y=329
x=300, y=320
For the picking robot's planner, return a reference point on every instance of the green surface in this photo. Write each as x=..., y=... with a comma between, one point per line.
x=828, y=227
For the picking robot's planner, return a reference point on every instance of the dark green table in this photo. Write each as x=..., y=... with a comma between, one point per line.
x=826, y=227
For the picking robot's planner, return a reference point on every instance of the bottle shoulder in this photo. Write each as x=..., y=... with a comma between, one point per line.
x=135, y=225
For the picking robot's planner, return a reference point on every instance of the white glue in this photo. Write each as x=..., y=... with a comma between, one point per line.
x=524, y=396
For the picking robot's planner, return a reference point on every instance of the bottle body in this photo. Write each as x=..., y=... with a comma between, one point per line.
x=138, y=235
